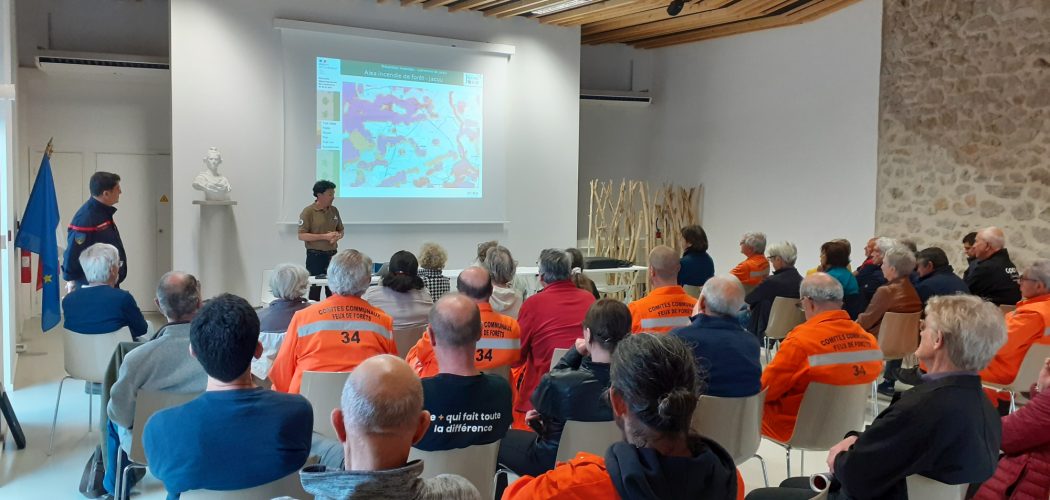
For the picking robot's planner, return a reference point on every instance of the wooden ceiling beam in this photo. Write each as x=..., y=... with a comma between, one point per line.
x=430, y=4
x=470, y=4
x=648, y=16
x=568, y=17
x=519, y=7
x=667, y=26
x=406, y=3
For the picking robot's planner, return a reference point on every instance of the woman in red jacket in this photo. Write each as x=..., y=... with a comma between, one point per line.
x=1024, y=470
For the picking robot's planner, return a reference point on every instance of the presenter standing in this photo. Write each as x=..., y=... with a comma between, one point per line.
x=93, y=223
x=320, y=227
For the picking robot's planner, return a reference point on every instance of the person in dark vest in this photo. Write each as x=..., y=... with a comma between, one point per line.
x=93, y=223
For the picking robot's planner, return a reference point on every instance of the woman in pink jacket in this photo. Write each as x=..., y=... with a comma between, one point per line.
x=1024, y=469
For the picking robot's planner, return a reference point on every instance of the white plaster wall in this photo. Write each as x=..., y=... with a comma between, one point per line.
x=779, y=125
x=226, y=92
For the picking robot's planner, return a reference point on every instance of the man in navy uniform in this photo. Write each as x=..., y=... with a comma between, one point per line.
x=93, y=223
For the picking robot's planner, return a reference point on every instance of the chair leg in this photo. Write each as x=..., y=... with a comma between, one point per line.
x=54, y=420
x=874, y=399
x=787, y=453
x=91, y=404
x=802, y=463
x=762, y=461
x=765, y=342
x=1013, y=402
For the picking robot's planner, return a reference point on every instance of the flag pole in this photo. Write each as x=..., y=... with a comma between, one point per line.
x=48, y=150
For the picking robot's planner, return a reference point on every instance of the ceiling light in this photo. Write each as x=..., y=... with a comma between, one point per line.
x=560, y=6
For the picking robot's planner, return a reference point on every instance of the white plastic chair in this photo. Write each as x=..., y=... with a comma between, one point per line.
x=265, y=294
x=784, y=316
x=407, y=338
x=323, y=390
x=476, y=464
x=826, y=414
x=557, y=355
x=86, y=357
x=146, y=404
x=734, y=423
x=499, y=371
x=929, y=489
x=591, y=437
x=1026, y=375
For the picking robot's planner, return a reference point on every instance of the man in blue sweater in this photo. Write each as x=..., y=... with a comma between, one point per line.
x=235, y=435
x=98, y=306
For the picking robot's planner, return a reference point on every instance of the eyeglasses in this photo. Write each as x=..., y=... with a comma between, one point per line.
x=1026, y=278
x=799, y=304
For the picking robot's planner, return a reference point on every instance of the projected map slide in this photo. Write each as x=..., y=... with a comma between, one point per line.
x=388, y=131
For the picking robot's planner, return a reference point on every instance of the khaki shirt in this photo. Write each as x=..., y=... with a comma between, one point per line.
x=314, y=221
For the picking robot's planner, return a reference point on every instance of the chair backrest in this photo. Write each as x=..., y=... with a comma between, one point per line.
x=899, y=334
x=475, y=463
x=323, y=390
x=734, y=423
x=87, y=355
x=146, y=404
x=287, y=486
x=1030, y=366
x=500, y=371
x=265, y=294
x=557, y=355
x=592, y=437
x=407, y=338
x=783, y=317
x=1006, y=308
x=929, y=489
x=827, y=413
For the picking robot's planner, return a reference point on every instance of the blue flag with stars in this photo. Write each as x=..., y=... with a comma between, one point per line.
x=37, y=234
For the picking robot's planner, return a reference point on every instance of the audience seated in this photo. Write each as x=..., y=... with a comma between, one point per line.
x=288, y=284
x=869, y=275
x=697, y=265
x=897, y=296
x=828, y=348
x=338, y=333
x=500, y=343
x=971, y=259
x=432, y=259
x=578, y=278
x=755, y=267
x=506, y=299
x=573, y=390
x=834, y=260
x=551, y=319
x=944, y=429
x=162, y=364
x=460, y=389
x=1027, y=325
x=936, y=276
x=100, y=307
x=380, y=416
x=1024, y=468
x=724, y=351
x=655, y=387
x=994, y=277
x=784, y=282
x=667, y=306
x=401, y=292
x=235, y=435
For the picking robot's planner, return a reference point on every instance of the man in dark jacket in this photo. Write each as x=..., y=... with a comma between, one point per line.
x=93, y=223
x=995, y=277
x=784, y=282
x=936, y=276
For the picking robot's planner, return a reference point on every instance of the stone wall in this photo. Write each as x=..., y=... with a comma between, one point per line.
x=964, y=132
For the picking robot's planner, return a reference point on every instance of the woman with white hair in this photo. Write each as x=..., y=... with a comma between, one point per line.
x=783, y=283
x=288, y=284
x=897, y=296
x=432, y=259
x=506, y=298
x=944, y=429
x=100, y=307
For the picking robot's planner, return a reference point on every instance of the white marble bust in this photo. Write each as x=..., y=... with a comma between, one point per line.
x=215, y=186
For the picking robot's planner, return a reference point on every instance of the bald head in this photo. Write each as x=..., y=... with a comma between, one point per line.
x=455, y=322
x=664, y=266
x=476, y=283
x=178, y=295
x=722, y=296
x=382, y=396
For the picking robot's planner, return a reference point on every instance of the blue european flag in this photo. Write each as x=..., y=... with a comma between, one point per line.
x=37, y=234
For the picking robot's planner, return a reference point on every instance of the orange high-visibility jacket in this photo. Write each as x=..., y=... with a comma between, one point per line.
x=1028, y=324
x=582, y=478
x=752, y=270
x=334, y=335
x=828, y=348
x=663, y=310
x=500, y=345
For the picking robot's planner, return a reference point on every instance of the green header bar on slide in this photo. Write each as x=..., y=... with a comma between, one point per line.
x=409, y=73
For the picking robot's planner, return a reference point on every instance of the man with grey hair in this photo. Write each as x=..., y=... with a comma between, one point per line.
x=755, y=267
x=828, y=348
x=727, y=353
x=100, y=307
x=1026, y=325
x=288, y=284
x=380, y=417
x=667, y=306
x=995, y=276
x=162, y=364
x=506, y=296
x=551, y=319
x=784, y=282
x=338, y=333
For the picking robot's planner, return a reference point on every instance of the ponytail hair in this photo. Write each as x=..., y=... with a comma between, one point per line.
x=403, y=273
x=657, y=377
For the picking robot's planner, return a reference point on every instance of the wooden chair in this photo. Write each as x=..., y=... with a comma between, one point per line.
x=475, y=463
x=827, y=413
x=734, y=423
x=898, y=338
x=499, y=371
x=784, y=316
x=323, y=390
x=591, y=437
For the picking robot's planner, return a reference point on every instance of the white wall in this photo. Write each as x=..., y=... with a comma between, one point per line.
x=779, y=125
x=226, y=92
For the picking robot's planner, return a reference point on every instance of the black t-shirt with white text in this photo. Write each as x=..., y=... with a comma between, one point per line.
x=465, y=411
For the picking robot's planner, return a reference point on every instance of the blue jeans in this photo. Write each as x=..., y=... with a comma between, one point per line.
x=113, y=453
